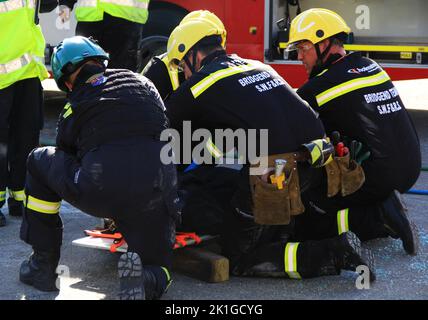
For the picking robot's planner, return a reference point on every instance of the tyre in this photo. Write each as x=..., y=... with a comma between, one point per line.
x=163, y=18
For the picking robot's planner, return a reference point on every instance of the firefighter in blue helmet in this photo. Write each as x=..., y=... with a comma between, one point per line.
x=107, y=164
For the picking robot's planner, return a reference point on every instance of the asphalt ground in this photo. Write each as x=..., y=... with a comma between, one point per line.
x=88, y=274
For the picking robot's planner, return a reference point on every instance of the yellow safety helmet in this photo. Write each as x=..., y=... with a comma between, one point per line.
x=315, y=25
x=208, y=15
x=190, y=31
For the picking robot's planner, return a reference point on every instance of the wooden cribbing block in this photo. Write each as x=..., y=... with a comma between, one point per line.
x=201, y=264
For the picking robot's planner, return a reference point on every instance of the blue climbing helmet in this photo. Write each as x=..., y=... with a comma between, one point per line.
x=72, y=53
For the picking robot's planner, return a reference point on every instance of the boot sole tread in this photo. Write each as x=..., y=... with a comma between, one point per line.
x=130, y=271
x=364, y=256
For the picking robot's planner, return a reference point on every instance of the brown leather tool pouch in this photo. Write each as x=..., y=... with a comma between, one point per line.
x=344, y=175
x=273, y=206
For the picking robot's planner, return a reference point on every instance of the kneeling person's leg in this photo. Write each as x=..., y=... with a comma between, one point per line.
x=150, y=234
x=308, y=259
x=49, y=179
x=41, y=225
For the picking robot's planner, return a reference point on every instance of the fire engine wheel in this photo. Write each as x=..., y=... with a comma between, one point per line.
x=151, y=47
x=163, y=18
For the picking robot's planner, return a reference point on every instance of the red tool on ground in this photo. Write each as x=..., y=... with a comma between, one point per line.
x=114, y=241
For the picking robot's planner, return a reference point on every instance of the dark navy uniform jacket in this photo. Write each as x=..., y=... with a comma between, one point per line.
x=356, y=97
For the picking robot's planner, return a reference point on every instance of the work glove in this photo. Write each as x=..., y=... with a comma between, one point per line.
x=362, y=153
x=358, y=151
x=64, y=13
x=320, y=152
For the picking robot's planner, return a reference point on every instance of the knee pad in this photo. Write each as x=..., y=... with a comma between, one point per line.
x=42, y=231
x=39, y=160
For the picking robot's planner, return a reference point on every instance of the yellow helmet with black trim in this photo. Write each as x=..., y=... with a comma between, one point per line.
x=208, y=15
x=315, y=25
x=190, y=31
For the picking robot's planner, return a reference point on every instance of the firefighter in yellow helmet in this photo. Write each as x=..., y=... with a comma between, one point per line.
x=318, y=29
x=355, y=96
x=167, y=77
x=222, y=92
x=192, y=33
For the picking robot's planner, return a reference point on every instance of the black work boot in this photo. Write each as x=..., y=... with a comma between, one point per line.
x=2, y=220
x=39, y=270
x=348, y=253
x=398, y=223
x=16, y=208
x=138, y=282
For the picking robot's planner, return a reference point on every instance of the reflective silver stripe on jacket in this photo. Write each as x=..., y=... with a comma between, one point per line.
x=18, y=63
x=86, y=3
x=128, y=3
x=11, y=5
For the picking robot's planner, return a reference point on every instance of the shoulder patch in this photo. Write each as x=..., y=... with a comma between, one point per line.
x=98, y=81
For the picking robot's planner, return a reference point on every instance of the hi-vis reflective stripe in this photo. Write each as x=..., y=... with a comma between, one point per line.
x=351, y=85
x=168, y=278
x=385, y=48
x=342, y=221
x=322, y=72
x=68, y=111
x=207, y=82
x=13, y=5
x=86, y=3
x=42, y=206
x=290, y=260
x=212, y=148
x=128, y=3
x=17, y=195
x=316, y=152
x=18, y=63
x=2, y=195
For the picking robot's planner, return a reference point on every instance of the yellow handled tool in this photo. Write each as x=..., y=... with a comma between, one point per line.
x=279, y=181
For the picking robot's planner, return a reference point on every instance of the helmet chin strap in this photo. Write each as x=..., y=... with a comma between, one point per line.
x=191, y=66
x=321, y=55
x=319, y=64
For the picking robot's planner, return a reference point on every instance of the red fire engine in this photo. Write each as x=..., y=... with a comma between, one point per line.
x=393, y=32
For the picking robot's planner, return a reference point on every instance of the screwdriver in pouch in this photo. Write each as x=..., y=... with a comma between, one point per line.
x=353, y=149
x=335, y=137
x=279, y=177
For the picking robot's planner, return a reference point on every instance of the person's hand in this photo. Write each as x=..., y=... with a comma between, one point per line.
x=64, y=13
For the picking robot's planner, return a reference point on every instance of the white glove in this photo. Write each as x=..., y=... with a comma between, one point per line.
x=64, y=13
